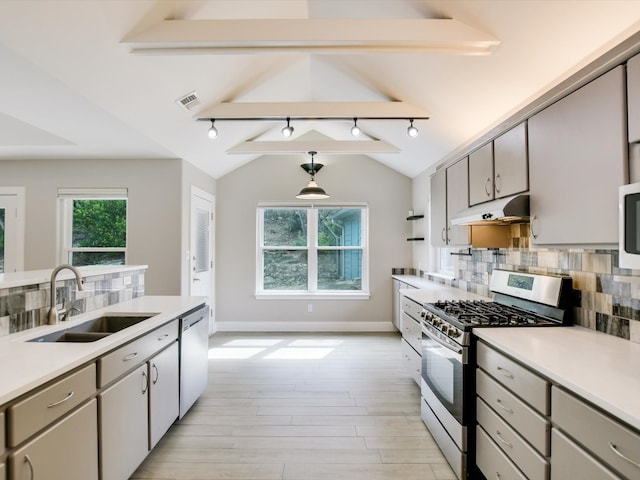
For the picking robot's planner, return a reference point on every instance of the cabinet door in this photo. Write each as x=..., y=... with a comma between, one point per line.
x=66, y=451
x=124, y=426
x=397, y=285
x=568, y=460
x=164, y=405
x=577, y=160
x=481, y=186
x=457, y=200
x=633, y=98
x=438, y=208
x=2, y=472
x=511, y=166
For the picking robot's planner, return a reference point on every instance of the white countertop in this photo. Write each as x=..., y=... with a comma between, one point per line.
x=33, y=277
x=428, y=291
x=603, y=369
x=26, y=365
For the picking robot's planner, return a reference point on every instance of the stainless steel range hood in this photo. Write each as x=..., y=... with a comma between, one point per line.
x=503, y=211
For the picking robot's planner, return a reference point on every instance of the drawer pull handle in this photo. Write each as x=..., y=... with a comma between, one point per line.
x=131, y=356
x=506, y=409
x=55, y=404
x=505, y=372
x=27, y=460
x=499, y=435
x=162, y=337
x=614, y=447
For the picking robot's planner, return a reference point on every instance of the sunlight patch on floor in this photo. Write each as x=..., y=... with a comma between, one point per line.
x=233, y=353
x=305, y=353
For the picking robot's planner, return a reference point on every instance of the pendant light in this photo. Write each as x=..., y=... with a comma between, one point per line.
x=312, y=191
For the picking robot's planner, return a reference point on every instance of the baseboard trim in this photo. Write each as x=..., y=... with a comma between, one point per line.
x=305, y=327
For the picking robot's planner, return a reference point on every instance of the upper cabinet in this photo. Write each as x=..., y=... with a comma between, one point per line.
x=481, y=175
x=633, y=98
x=449, y=195
x=499, y=168
x=577, y=160
x=511, y=165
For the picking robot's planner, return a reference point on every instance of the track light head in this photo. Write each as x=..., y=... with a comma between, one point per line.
x=355, y=130
x=213, y=131
x=288, y=130
x=412, y=131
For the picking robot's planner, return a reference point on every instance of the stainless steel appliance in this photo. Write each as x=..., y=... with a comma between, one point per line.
x=629, y=225
x=448, y=368
x=194, y=356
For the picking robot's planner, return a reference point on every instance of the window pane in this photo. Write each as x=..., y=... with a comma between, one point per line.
x=99, y=223
x=202, y=242
x=285, y=227
x=339, y=227
x=340, y=270
x=285, y=270
x=96, y=258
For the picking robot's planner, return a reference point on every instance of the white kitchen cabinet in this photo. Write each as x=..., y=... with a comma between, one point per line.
x=449, y=195
x=124, y=425
x=2, y=433
x=66, y=451
x=569, y=460
x=397, y=302
x=412, y=337
x=3, y=474
x=577, y=160
x=164, y=405
x=481, y=175
x=511, y=163
x=633, y=98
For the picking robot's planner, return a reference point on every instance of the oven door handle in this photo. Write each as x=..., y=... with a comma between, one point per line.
x=442, y=343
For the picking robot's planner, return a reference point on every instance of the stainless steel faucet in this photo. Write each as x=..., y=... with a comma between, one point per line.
x=52, y=316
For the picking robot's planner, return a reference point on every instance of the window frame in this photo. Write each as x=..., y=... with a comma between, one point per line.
x=312, y=248
x=65, y=199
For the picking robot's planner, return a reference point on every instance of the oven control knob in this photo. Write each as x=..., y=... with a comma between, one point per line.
x=454, y=332
x=423, y=313
x=436, y=322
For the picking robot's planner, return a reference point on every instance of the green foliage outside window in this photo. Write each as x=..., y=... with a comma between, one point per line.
x=99, y=224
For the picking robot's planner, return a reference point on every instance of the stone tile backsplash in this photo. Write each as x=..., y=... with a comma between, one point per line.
x=26, y=307
x=607, y=297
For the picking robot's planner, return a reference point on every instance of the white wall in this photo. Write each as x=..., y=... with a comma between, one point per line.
x=420, y=189
x=353, y=178
x=154, y=217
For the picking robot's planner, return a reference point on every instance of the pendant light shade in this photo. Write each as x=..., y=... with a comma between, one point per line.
x=312, y=191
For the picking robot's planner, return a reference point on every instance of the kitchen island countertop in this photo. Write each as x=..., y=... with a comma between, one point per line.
x=27, y=365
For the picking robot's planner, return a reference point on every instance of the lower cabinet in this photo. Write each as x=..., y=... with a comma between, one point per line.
x=66, y=451
x=412, y=361
x=3, y=475
x=124, y=429
x=568, y=460
x=164, y=405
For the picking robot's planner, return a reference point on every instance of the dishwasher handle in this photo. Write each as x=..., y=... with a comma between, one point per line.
x=187, y=323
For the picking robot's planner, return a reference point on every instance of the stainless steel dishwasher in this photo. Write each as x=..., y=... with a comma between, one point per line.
x=194, y=356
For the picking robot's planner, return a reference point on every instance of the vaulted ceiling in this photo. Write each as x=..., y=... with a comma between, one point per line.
x=100, y=78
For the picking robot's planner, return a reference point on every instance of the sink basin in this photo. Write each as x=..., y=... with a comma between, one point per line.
x=94, y=329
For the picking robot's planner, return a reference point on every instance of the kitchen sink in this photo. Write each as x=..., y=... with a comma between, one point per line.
x=94, y=329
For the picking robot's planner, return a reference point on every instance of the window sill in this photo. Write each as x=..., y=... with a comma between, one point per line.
x=312, y=296
x=444, y=276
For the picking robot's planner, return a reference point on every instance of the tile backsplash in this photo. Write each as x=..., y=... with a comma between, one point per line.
x=607, y=297
x=26, y=307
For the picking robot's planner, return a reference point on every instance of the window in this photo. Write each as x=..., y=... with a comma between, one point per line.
x=93, y=226
x=446, y=264
x=312, y=250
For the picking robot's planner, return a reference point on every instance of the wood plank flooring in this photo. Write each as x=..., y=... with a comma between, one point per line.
x=302, y=407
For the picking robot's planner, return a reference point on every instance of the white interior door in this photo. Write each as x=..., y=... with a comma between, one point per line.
x=11, y=231
x=201, y=271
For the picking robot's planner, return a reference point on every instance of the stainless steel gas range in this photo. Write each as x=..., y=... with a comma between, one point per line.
x=448, y=351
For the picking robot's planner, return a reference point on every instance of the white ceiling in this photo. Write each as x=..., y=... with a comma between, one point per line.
x=70, y=87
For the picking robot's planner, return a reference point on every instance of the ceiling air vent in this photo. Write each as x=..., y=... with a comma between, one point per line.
x=188, y=101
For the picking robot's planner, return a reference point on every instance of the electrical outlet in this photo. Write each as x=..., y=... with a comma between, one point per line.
x=310, y=308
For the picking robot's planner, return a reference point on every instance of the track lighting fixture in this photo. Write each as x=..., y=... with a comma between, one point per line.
x=355, y=130
x=288, y=130
x=312, y=191
x=213, y=131
x=412, y=131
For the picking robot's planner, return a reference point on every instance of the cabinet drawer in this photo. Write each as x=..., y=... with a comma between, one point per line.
x=120, y=361
x=411, y=308
x=66, y=451
x=581, y=421
x=40, y=409
x=531, y=425
x=568, y=460
x=412, y=332
x=531, y=388
x=534, y=466
x=412, y=361
x=492, y=461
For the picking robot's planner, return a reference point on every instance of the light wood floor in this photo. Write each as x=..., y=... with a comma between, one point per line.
x=302, y=407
